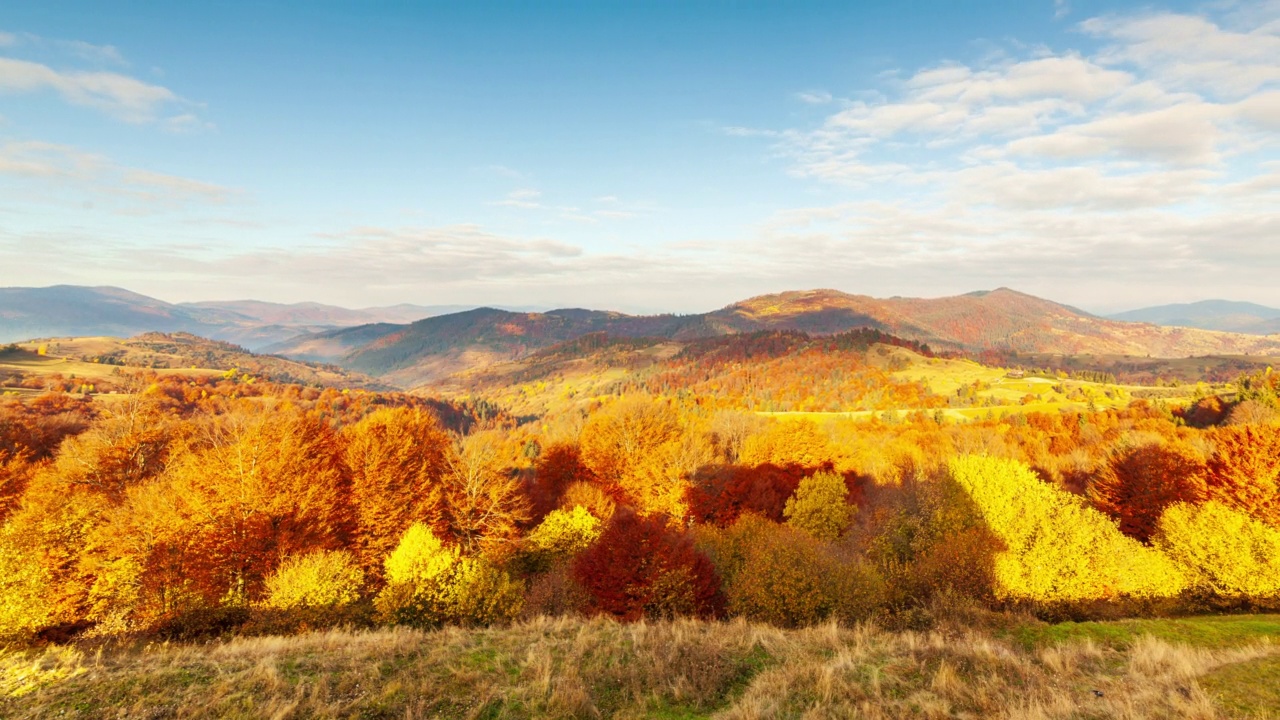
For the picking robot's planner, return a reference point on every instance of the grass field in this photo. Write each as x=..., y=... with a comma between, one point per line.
x=1215, y=667
x=27, y=361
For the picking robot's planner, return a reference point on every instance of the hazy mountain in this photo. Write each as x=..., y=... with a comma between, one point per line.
x=1004, y=319
x=69, y=310
x=1226, y=315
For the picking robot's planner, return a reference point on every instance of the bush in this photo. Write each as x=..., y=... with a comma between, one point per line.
x=319, y=579
x=429, y=585
x=1221, y=550
x=564, y=532
x=779, y=575
x=554, y=593
x=1058, y=550
x=639, y=567
x=929, y=540
x=561, y=535
x=820, y=506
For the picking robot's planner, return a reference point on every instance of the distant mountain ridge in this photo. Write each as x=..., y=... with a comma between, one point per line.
x=379, y=341
x=76, y=311
x=430, y=349
x=1225, y=315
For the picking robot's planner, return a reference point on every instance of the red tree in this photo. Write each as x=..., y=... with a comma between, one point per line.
x=1137, y=485
x=639, y=567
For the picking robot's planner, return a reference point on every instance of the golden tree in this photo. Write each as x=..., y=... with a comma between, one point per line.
x=484, y=502
x=396, y=457
x=1244, y=470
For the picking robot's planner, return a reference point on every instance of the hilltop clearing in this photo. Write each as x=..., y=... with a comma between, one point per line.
x=93, y=364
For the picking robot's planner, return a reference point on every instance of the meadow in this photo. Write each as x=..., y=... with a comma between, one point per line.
x=574, y=668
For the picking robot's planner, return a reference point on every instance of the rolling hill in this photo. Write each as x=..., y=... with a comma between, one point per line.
x=99, y=360
x=1223, y=315
x=1002, y=319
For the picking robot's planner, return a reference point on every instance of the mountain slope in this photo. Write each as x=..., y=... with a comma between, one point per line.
x=431, y=349
x=1001, y=319
x=1225, y=315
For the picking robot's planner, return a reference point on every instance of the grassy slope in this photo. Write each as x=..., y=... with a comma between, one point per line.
x=1217, y=667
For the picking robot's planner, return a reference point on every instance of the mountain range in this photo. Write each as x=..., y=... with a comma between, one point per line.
x=433, y=348
x=1226, y=315
x=75, y=311
x=410, y=345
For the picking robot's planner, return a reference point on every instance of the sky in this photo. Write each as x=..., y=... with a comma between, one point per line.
x=646, y=156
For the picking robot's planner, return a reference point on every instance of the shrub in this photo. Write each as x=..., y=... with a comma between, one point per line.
x=429, y=585
x=561, y=535
x=554, y=593
x=820, y=506
x=639, y=567
x=317, y=579
x=928, y=539
x=1221, y=550
x=1058, y=550
x=780, y=575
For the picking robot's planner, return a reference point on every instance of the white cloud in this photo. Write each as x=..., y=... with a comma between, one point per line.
x=1061, y=9
x=525, y=198
x=1149, y=163
x=64, y=168
x=814, y=97
x=102, y=54
x=1192, y=52
x=121, y=96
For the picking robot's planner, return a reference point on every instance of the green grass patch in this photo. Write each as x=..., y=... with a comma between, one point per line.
x=1210, y=631
x=1248, y=689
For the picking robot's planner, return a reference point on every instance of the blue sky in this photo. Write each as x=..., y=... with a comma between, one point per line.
x=642, y=156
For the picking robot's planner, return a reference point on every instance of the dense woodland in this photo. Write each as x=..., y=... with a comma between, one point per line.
x=207, y=505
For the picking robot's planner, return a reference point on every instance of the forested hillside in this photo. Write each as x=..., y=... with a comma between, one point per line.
x=1001, y=320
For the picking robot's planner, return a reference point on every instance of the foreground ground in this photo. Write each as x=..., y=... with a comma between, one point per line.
x=1196, y=668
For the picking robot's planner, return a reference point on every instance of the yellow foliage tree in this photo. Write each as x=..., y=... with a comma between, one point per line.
x=638, y=444
x=1058, y=549
x=1222, y=550
x=315, y=580
x=820, y=506
x=563, y=533
x=24, y=587
x=788, y=442
x=430, y=584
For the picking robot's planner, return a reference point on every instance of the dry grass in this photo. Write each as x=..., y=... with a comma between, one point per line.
x=568, y=668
